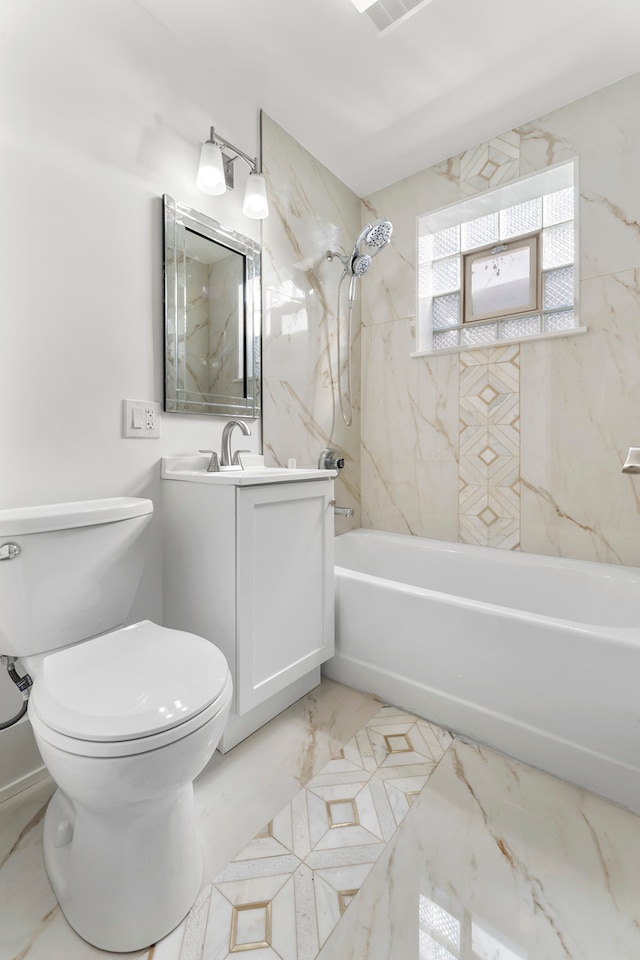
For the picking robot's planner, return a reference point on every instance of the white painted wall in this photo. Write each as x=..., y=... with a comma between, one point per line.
x=101, y=112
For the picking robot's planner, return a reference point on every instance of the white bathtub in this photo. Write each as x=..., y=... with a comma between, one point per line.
x=539, y=657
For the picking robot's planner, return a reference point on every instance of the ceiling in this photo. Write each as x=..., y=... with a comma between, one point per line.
x=377, y=107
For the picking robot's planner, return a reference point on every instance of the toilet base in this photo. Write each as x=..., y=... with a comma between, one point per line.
x=124, y=877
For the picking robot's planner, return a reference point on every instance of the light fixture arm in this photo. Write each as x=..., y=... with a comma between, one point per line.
x=221, y=142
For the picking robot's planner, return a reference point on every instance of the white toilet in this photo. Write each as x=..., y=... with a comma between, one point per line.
x=125, y=719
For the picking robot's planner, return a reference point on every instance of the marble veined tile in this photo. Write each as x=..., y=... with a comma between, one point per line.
x=235, y=796
x=284, y=893
x=498, y=861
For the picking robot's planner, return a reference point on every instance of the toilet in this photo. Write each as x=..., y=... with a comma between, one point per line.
x=125, y=717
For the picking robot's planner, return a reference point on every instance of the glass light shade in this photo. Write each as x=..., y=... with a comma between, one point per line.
x=211, y=170
x=255, y=203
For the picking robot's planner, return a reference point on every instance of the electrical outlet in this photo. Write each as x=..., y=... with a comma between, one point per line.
x=141, y=419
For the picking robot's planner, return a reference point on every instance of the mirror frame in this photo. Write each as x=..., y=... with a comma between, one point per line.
x=178, y=218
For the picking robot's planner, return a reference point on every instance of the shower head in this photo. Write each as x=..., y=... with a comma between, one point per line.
x=375, y=236
x=378, y=235
x=360, y=264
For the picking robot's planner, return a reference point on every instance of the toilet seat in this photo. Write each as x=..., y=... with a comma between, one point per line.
x=129, y=691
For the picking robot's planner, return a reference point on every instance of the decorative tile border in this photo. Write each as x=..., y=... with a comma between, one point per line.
x=489, y=401
x=283, y=895
x=490, y=163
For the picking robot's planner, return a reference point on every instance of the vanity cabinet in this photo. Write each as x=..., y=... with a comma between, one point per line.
x=250, y=567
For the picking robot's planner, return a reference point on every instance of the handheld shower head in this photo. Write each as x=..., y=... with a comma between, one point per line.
x=375, y=236
x=360, y=263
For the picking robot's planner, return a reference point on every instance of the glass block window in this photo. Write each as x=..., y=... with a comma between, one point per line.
x=446, y=311
x=444, y=341
x=480, y=333
x=557, y=207
x=557, y=246
x=501, y=280
x=520, y=327
x=558, y=288
x=480, y=232
x=446, y=242
x=523, y=218
x=500, y=267
x=445, y=275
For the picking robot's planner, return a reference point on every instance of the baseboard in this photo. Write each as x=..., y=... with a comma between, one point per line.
x=20, y=760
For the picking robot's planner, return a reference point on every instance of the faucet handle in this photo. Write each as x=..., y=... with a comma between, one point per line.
x=330, y=459
x=236, y=461
x=214, y=464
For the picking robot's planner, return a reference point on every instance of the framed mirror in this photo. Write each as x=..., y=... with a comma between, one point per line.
x=212, y=316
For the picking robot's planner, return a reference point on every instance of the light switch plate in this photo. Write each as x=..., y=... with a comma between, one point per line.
x=141, y=419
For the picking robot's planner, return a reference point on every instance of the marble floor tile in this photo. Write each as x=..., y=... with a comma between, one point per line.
x=235, y=795
x=497, y=861
x=285, y=892
x=452, y=852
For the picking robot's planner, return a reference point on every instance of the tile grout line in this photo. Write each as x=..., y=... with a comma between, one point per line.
x=366, y=753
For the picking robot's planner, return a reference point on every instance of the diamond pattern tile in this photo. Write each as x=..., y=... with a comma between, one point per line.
x=490, y=163
x=283, y=895
x=489, y=445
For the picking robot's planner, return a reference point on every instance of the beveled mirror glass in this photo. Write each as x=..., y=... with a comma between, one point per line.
x=212, y=316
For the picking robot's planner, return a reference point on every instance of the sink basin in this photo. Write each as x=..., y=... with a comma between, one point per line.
x=194, y=470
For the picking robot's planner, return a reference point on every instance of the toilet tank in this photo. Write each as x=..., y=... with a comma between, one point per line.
x=75, y=574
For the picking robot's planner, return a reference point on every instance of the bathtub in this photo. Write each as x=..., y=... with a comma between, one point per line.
x=538, y=657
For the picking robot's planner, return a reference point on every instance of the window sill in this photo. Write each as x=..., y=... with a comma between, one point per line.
x=465, y=348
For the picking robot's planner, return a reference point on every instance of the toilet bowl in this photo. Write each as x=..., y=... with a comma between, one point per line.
x=124, y=718
x=124, y=736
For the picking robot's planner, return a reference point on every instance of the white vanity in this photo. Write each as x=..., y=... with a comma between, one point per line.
x=248, y=563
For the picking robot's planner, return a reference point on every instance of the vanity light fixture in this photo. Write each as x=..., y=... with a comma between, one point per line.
x=216, y=175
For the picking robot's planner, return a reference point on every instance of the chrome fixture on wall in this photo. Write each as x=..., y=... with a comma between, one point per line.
x=374, y=236
x=632, y=463
x=216, y=175
x=330, y=459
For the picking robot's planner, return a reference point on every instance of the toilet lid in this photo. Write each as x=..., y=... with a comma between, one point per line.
x=129, y=683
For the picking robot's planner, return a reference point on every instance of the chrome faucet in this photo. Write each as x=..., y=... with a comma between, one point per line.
x=226, y=459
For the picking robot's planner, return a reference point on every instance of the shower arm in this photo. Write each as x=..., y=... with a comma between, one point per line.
x=333, y=254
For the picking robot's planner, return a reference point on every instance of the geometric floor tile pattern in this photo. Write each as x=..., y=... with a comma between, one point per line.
x=284, y=894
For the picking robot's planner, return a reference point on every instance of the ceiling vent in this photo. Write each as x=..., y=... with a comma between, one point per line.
x=386, y=13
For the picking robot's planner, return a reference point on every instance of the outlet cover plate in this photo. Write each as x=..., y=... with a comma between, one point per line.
x=141, y=419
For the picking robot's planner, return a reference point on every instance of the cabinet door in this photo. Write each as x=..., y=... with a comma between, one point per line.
x=284, y=594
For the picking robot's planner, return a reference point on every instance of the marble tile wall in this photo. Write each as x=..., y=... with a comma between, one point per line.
x=564, y=411
x=311, y=212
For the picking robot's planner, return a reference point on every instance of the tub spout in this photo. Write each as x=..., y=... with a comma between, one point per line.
x=341, y=511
